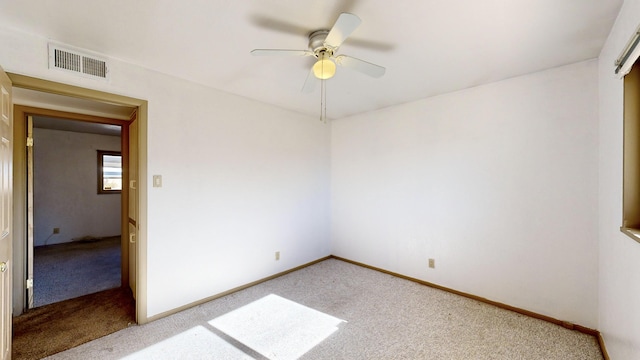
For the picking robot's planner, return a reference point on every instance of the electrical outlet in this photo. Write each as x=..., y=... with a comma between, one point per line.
x=277, y=255
x=56, y=230
x=432, y=263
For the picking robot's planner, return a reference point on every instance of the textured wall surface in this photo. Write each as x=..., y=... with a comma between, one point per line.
x=497, y=183
x=66, y=187
x=241, y=179
x=619, y=292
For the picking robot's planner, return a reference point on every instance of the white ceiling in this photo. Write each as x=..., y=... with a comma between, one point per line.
x=429, y=47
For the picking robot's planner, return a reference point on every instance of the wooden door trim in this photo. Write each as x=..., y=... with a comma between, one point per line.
x=31, y=83
x=19, y=209
x=21, y=113
x=22, y=81
x=124, y=205
x=63, y=115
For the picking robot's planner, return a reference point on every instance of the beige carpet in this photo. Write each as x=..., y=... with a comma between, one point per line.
x=57, y=327
x=337, y=310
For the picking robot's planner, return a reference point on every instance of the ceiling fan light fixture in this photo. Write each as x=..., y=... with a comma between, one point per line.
x=324, y=68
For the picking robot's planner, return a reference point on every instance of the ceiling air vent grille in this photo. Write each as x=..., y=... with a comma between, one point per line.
x=66, y=60
x=94, y=67
x=79, y=62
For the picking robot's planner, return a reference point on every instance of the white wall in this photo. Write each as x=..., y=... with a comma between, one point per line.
x=498, y=183
x=241, y=179
x=66, y=187
x=619, y=293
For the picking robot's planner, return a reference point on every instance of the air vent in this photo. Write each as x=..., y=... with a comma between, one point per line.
x=79, y=62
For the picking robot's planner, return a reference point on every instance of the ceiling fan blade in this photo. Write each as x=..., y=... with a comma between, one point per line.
x=278, y=25
x=310, y=84
x=281, y=52
x=343, y=27
x=362, y=66
x=372, y=44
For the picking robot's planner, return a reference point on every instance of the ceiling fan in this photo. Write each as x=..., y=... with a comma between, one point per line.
x=323, y=45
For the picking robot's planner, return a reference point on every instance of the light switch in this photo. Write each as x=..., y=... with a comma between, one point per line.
x=157, y=180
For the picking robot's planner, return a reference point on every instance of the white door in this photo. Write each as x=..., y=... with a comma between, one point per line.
x=30, y=223
x=6, y=197
x=133, y=202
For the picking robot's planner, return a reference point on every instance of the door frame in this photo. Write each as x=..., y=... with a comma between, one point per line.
x=20, y=194
x=21, y=114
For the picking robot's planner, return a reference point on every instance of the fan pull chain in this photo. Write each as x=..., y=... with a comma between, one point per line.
x=323, y=101
x=325, y=104
x=321, y=97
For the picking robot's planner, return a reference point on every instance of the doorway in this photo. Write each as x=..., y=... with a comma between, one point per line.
x=133, y=237
x=59, y=198
x=74, y=232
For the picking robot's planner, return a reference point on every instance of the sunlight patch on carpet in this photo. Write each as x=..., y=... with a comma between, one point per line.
x=277, y=328
x=198, y=342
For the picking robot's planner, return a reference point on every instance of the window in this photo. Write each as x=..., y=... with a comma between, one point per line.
x=628, y=68
x=631, y=161
x=109, y=172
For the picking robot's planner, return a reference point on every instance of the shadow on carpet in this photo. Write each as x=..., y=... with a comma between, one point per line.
x=52, y=328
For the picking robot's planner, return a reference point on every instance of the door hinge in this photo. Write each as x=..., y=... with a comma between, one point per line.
x=29, y=283
x=29, y=141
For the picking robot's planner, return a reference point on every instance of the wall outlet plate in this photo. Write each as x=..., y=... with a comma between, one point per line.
x=432, y=263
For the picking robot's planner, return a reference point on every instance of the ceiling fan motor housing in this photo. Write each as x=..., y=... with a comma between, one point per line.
x=316, y=42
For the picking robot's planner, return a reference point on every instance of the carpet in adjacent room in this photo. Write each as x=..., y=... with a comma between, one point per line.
x=53, y=328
